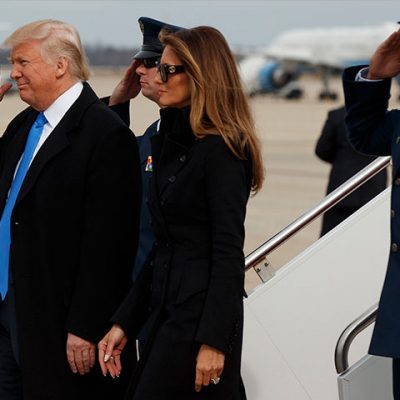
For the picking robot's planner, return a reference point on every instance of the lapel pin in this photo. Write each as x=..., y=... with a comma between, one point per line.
x=149, y=164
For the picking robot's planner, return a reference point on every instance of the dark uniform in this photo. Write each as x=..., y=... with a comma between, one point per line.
x=375, y=130
x=151, y=49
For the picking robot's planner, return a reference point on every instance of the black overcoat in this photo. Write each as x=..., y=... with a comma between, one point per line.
x=333, y=147
x=73, y=239
x=191, y=289
x=375, y=130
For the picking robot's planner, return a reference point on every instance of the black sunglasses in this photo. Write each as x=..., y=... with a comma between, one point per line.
x=149, y=62
x=166, y=69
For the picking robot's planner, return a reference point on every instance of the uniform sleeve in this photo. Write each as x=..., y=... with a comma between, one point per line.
x=110, y=233
x=369, y=124
x=227, y=191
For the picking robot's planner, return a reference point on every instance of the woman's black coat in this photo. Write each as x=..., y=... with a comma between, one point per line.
x=191, y=289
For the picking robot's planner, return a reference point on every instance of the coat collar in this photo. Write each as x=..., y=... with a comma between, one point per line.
x=172, y=147
x=175, y=124
x=58, y=139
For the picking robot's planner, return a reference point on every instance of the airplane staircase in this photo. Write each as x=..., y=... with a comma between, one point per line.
x=296, y=317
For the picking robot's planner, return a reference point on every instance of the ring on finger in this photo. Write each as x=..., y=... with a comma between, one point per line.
x=215, y=380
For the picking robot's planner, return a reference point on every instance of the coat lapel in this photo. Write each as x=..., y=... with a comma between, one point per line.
x=12, y=155
x=58, y=139
x=173, y=153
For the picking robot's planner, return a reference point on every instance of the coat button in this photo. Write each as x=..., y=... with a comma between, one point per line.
x=394, y=247
x=16, y=223
x=397, y=181
x=162, y=202
x=172, y=179
x=182, y=159
x=392, y=213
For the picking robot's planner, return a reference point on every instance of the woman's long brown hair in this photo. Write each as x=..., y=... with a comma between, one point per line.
x=218, y=103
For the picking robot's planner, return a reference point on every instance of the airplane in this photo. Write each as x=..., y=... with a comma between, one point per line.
x=277, y=67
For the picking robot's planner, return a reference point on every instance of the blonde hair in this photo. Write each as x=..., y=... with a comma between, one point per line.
x=58, y=39
x=218, y=103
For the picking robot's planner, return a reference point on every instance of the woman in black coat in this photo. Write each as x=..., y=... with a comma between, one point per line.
x=189, y=296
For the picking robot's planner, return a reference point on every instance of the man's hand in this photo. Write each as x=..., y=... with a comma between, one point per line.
x=129, y=86
x=385, y=63
x=4, y=89
x=210, y=364
x=81, y=354
x=110, y=349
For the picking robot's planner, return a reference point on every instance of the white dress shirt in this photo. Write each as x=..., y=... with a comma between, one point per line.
x=56, y=112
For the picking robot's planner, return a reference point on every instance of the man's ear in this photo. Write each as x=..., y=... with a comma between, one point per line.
x=61, y=67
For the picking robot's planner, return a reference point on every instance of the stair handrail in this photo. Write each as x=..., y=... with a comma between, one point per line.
x=328, y=202
x=349, y=334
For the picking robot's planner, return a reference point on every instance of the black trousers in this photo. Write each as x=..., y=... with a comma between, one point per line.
x=334, y=217
x=10, y=373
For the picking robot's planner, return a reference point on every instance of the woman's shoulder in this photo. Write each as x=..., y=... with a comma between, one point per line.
x=214, y=146
x=216, y=150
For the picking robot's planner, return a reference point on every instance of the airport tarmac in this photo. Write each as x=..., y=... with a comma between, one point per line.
x=295, y=178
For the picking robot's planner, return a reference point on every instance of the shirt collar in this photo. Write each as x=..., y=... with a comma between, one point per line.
x=62, y=104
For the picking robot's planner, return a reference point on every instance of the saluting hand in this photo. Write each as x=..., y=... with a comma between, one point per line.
x=209, y=366
x=81, y=354
x=129, y=86
x=110, y=349
x=4, y=89
x=385, y=63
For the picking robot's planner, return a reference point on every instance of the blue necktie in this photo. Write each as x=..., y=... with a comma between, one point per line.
x=5, y=234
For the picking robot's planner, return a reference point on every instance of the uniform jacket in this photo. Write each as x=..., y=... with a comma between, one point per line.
x=146, y=236
x=191, y=289
x=375, y=130
x=333, y=147
x=73, y=239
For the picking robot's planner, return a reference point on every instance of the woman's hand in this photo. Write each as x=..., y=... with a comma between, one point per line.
x=110, y=349
x=210, y=364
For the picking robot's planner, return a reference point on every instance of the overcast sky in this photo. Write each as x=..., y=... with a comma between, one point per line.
x=244, y=23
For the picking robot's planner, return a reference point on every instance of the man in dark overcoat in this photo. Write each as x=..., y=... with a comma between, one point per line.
x=68, y=228
x=333, y=147
x=375, y=130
